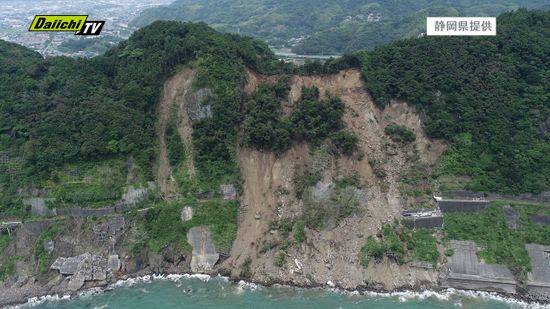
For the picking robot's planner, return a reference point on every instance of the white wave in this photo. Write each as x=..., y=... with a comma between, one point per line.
x=39, y=300
x=90, y=292
x=248, y=285
x=445, y=295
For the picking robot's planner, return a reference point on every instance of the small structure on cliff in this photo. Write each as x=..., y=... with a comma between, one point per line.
x=228, y=191
x=466, y=272
x=427, y=219
x=475, y=205
x=205, y=255
x=538, y=281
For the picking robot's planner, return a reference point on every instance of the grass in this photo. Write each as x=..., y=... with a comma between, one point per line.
x=422, y=246
x=4, y=241
x=163, y=225
x=401, y=245
x=501, y=245
x=245, y=268
x=303, y=179
x=90, y=184
x=8, y=268
x=40, y=253
x=284, y=226
x=400, y=134
x=299, y=231
x=174, y=144
x=280, y=260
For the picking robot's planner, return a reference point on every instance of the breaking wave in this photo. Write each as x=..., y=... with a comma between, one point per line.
x=452, y=296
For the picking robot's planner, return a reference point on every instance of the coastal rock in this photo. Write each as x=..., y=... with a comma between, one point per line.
x=86, y=266
x=75, y=283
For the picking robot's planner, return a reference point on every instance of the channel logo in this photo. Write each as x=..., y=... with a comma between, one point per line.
x=79, y=24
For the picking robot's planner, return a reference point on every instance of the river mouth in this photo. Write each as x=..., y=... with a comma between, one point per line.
x=204, y=291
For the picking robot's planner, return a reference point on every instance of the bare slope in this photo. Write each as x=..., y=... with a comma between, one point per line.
x=269, y=195
x=173, y=100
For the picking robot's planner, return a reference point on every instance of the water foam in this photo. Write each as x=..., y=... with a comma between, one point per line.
x=445, y=295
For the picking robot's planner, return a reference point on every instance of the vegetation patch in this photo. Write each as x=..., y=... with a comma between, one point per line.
x=8, y=268
x=496, y=136
x=422, y=246
x=176, y=151
x=326, y=213
x=299, y=231
x=400, y=134
x=500, y=244
x=163, y=225
x=284, y=226
x=303, y=179
x=312, y=120
x=90, y=184
x=263, y=127
x=280, y=259
x=245, y=268
x=4, y=240
x=40, y=252
x=400, y=244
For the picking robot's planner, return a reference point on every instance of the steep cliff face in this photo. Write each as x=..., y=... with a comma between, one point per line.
x=330, y=254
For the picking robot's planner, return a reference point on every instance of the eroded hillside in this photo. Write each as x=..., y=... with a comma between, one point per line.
x=269, y=193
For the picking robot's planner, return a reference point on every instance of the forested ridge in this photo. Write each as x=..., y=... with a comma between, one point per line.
x=488, y=97
x=326, y=27
x=62, y=110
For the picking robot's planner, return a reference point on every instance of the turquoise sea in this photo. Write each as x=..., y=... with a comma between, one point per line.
x=195, y=291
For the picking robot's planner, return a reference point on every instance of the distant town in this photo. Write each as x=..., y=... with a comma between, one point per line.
x=16, y=16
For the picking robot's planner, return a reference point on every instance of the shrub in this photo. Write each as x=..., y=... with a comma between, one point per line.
x=280, y=260
x=245, y=268
x=345, y=141
x=299, y=231
x=400, y=134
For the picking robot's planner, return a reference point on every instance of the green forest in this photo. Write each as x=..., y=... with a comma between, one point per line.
x=489, y=97
x=326, y=27
x=59, y=110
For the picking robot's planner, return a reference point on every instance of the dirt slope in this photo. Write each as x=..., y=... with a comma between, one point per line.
x=269, y=194
x=173, y=100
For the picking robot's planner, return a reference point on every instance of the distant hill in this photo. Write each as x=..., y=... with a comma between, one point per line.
x=325, y=27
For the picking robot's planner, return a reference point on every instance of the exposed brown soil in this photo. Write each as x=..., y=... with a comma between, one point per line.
x=329, y=255
x=173, y=95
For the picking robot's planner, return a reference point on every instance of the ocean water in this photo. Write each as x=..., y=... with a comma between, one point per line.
x=196, y=291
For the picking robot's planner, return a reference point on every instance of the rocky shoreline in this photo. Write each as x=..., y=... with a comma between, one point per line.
x=37, y=296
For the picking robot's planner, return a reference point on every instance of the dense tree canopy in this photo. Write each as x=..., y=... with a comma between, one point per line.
x=490, y=97
x=326, y=27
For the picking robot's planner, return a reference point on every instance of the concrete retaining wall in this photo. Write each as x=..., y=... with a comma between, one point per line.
x=36, y=227
x=423, y=222
x=542, y=220
x=462, y=205
x=463, y=194
x=474, y=283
